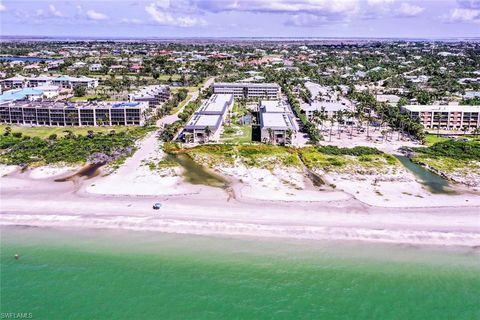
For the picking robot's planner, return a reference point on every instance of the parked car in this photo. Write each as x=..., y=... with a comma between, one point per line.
x=157, y=206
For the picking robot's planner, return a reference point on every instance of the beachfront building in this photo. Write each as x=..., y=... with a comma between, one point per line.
x=269, y=91
x=155, y=95
x=277, y=124
x=448, y=117
x=47, y=113
x=208, y=119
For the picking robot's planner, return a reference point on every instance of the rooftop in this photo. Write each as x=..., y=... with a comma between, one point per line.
x=78, y=105
x=276, y=121
x=439, y=108
x=271, y=106
x=217, y=104
x=327, y=106
x=246, y=84
x=201, y=121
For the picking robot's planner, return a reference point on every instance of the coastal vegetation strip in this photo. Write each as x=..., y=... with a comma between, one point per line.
x=326, y=158
x=453, y=159
x=74, y=146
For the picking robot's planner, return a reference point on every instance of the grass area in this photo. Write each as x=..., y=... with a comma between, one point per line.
x=237, y=134
x=451, y=156
x=431, y=139
x=268, y=156
x=45, y=132
x=181, y=104
x=251, y=155
x=348, y=160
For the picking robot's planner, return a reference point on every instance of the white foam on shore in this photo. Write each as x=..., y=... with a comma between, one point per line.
x=414, y=237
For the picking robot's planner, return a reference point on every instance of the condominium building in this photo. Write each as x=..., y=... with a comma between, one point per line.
x=65, y=82
x=211, y=114
x=248, y=90
x=68, y=82
x=277, y=124
x=155, y=95
x=445, y=117
x=47, y=113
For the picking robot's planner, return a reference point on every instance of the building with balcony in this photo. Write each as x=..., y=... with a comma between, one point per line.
x=208, y=119
x=277, y=124
x=445, y=117
x=47, y=113
x=155, y=95
x=269, y=91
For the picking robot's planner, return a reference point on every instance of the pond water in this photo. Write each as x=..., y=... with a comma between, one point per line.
x=89, y=171
x=25, y=59
x=434, y=182
x=196, y=174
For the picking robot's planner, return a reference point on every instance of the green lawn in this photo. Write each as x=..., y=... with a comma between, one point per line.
x=44, y=132
x=430, y=139
x=237, y=134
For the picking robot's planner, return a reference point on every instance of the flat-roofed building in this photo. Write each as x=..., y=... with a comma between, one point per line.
x=155, y=95
x=73, y=114
x=392, y=99
x=277, y=123
x=39, y=81
x=330, y=109
x=16, y=82
x=248, y=90
x=445, y=117
x=208, y=119
x=68, y=82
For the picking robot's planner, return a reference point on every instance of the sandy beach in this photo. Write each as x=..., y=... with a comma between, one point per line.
x=207, y=210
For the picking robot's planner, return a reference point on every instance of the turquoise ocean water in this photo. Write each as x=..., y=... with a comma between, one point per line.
x=71, y=274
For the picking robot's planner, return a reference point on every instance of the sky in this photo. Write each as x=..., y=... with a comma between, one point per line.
x=241, y=18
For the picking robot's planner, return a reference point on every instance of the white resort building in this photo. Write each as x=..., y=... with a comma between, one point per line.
x=277, y=124
x=448, y=117
x=269, y=91
x=155, y=95
x=208, y=119
x=65, y=82
x=47, y=113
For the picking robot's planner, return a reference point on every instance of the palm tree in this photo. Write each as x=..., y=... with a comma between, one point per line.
x=332, y=121
x=339, y=120
x=208, y=132
x=438, y=116
x=289, y=135
x=270, y=134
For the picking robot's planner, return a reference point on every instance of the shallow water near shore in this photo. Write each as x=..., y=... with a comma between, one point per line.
x=93, y=274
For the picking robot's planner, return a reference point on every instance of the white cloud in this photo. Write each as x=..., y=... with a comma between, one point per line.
x=2, y=7
x=162, y=13
x=462, y=15
x=51, y=12
x=131, y=21
x=380, y=2
x=409, y=10
x=280, y=6
x=97, y=16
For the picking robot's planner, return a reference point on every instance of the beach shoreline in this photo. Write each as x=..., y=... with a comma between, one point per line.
x=203, y=210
